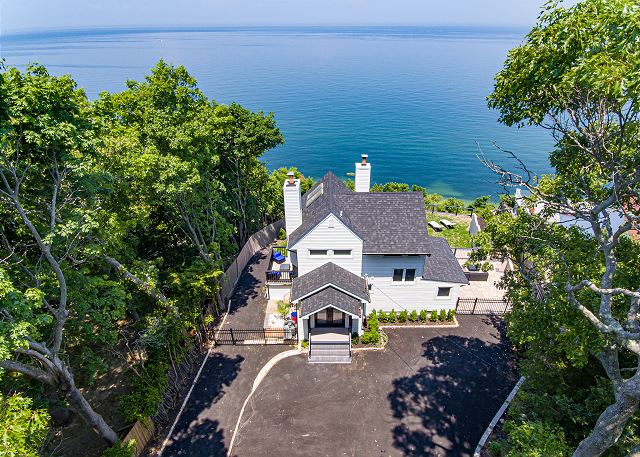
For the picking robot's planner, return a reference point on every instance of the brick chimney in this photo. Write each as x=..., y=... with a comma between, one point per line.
x=292, y=203
x=363, y=175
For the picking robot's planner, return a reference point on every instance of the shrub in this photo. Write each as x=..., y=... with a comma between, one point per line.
x=413, y=316
x=442, y=316
x=121, y=450
x=423, y=315
x=382, y=316
x=372, y=323
x=402, y=316
x=434, y=316
x=370, y=337
x=354, y=339
x=283, y=308
x=486, y=266
x=534, y=438
x=282, y=234
x=304, y=344
x=23, y=427
x=450, y=315
x=393, y=317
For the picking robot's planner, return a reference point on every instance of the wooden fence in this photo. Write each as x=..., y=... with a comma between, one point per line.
x=256, y=242
x=141, y=432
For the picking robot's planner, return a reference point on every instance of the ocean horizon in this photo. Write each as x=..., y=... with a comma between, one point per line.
x=413, y=98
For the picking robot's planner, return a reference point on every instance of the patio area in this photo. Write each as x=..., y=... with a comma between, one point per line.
x=485, y=290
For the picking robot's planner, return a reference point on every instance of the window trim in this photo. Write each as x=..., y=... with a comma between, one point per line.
x=403, y=278
x=315, y=253
x=393, y=276
x=442, y=297
x=414, y=274
x=349, y=253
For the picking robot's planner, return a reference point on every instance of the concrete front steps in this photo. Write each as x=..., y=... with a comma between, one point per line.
x=329, y=353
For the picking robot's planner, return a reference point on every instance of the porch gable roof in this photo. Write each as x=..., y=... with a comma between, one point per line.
x=329, y=274
x=329, y=296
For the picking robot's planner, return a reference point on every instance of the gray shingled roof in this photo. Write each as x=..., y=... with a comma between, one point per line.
x=387, y=222
x=329, y=296
x=326, y=275
x=442, y=264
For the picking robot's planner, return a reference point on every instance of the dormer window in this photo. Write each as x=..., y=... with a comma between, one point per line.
x=318, y=252
x=404, y=275
x=342, y=252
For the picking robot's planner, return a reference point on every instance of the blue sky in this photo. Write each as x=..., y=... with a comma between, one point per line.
x=17, y=15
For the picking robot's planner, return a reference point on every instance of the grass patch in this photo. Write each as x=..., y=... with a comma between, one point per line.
x=458, y=237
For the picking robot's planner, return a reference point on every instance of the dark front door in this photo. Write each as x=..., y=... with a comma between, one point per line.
x=330, y=317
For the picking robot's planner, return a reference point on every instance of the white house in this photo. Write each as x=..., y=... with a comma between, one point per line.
x=350, y=252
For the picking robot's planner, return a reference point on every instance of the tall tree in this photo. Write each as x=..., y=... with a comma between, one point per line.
x=49, y=189
x=576, y=74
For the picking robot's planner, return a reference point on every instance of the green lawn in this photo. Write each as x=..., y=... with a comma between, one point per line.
x=458, y=237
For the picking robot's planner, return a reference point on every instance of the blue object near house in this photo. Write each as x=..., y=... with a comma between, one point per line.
x=278, y=257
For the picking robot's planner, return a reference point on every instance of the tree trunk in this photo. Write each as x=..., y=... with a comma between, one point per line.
x=612, y=421
x=82, y=407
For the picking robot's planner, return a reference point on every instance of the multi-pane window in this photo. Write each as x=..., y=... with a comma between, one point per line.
x=401, y=274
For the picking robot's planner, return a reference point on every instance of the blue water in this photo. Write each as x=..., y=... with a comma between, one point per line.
x=412, y=98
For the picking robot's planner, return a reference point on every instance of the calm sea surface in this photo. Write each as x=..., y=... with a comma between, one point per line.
x=412, y=98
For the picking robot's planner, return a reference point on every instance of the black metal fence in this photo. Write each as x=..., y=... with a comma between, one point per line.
x=482, y=306
x=280, y=277
x=259, y=336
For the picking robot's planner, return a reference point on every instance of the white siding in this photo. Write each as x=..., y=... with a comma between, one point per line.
x=387, y=294
x=279, y=292
x=328, y=235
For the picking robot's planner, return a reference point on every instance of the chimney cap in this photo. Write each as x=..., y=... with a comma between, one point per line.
x=365, y=156
x=290, y=173
x=364, y=159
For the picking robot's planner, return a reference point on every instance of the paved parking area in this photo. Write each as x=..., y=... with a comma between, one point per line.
x=430, y=392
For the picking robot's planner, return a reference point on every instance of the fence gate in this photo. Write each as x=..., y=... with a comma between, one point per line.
x=482, y=306
x=260, y=336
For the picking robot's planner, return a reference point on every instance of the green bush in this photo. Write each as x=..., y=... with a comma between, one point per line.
x=413, y=316
x=120, y=450
x=434, y=316
x=383, y=317
x=23, y=427
x=402, y=316
x=532, y=439
x=423, y=315
x=450, y=315
x=370, y=337
x=486, y=266
x=304, y=344
x=282, y=234
x=372, y=322
x=354, y=339
x=393, y=317
x=442, y=316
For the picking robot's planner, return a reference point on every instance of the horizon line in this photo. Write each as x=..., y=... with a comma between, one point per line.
x=193, y=27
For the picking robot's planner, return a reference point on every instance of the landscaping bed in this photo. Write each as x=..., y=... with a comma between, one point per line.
x=424, y=317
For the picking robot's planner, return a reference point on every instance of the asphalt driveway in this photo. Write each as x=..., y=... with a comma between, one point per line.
x=430, y=392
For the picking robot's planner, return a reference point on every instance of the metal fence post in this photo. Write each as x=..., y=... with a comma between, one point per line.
x=233, y=340
x=474, y=306
x=457, y=303
x=506, y=306
x=264, y=334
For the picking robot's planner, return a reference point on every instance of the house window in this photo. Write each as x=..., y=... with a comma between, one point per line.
x=342, y=252
x=400, y=274
x=410, y=274
x=444, y=291
x=317, y=252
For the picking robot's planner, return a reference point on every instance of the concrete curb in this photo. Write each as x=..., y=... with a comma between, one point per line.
x=497, y=417
x=260, y=376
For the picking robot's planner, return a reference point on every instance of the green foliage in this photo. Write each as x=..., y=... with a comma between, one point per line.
x=355, y=339
x=480, y=202
x=304, y=343
x=121, y=450
x=402, y=316
x=23, y=428
x=283, y=308
x=372, y=322
x=423, y=315
x=383, y=317
x=532, y=439
x=451, y=314
x=442, y=316
x=413, y=316
x=282, y=234
x=393, y=316
x=370, y=337
x=434, y=316
x=486, y=266
x=451, y=205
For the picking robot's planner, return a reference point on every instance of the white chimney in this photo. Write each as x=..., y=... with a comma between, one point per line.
x=363, y=175
x=292, y=204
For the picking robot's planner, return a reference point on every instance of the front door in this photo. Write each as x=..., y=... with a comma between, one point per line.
x=330, y=317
